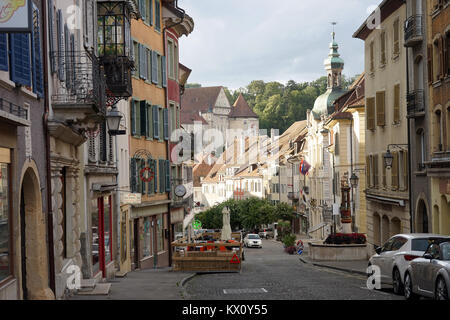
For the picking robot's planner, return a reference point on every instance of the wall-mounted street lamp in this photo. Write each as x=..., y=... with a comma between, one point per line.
x=388, y=157
x=113, y=118
x=354, y=180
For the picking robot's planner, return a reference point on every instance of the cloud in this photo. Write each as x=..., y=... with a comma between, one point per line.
x=237, y=41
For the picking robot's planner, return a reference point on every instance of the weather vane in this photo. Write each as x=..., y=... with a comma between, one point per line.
x=333, y=23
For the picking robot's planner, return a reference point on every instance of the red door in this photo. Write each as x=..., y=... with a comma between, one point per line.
x=104, y=232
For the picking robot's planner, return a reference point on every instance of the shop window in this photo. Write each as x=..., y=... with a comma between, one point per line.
x=5, y=215
x=148, y=248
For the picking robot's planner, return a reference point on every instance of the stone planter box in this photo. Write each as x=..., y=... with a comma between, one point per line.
x=337, y=252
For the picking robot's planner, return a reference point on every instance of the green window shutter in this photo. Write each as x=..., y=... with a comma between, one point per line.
x=151, y=12
x=149, y=120
x=150, y=183
x=133, y=175
x=133, y=117
x=143, y=184
x=155, y=179
x=168, y=176
x=137, y=114
x=158, y=15
x=166, y=123
x=143, y=113
x=156, y=122
x=161, y=176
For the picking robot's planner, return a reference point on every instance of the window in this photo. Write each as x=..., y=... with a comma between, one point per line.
x=384, y=183
x=135, y=118
x=336, y=143
x=171, y=58
x=398, y=243
x=388, y=245
x=6, y=253
x=396, y=44
x=447, y=54
x=375, y=170
x=380, y=105
x=437, y=59
x=437, y=131
x=136, y=52
x=371, y=55
x=397, y=103
x=403, y=170
x=383, y=48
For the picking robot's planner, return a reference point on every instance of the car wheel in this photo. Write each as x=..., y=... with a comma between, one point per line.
x=397, y=282
x=441, y=290
x=409, y=294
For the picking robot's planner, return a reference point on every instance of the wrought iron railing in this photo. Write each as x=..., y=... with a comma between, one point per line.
x=413, y=29
x=118, y=75
x=81, y=80
x=415, y=102
x=13, y=109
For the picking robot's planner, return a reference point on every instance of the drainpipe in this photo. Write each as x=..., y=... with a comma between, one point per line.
x=411, y=215
x=51, y=256
x=169, y=227
x=351, y=169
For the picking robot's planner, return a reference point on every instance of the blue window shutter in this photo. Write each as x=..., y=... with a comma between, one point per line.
x=164, y=71
x=4, y=51
x=156, y=122
x=157, y=15
x=149, y=120
x=133, y=175
x=142, y=9
x=143, y=184
x=154, y=67
x=20, y=58
x=38, y=77
x=141, y=61
x=168, y=186
x=166, y=123
x=133, y=117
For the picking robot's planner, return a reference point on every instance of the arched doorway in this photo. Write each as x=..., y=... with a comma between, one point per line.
x=33, y=240
x=422, y=218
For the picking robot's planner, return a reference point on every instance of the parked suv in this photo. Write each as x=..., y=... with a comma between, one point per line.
x=266, y=233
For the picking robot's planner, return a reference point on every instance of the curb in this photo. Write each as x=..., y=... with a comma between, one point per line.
x=185, y=280
x=340, y=269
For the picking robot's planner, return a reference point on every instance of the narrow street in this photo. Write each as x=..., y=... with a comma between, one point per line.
x=283, y=277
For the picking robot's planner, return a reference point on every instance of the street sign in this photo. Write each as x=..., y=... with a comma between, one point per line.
x=130, y=198
x=15, y=16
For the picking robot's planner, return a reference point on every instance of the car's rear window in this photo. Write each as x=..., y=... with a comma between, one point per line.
x=422, y=244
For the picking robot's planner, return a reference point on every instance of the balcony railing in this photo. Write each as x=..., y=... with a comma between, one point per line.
x=413, y=30
x=81, y=80
x=13, y=109
x=415, y=103
x=118, y=75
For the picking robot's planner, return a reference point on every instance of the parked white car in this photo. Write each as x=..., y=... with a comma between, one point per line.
x=394, y=257
x=252, y=240
x=429, y=276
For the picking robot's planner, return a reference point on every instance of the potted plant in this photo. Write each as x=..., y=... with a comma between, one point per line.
x=289, y=243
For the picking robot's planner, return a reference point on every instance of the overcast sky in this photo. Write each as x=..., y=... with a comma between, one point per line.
x=237, y=41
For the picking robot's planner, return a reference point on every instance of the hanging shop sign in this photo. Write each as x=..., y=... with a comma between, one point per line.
x=15, y=16
x=130, y=198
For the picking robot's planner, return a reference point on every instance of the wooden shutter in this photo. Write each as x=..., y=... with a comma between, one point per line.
x=133, y=175
x=149, y=131
x=142, y=62
x=143, y=9
x=168, y=185
x=137, y=110
x=397, y=103
x=150, y=183
x=396, y=37
x=150, y=12
x=4, y=51
x=368, y=173
x=20, y=58
x=405, y=169
x=133, y=118
x=154, y=67
x=143, y=117
x=155, y=178
x=336, y=144
x=60, y=35
x=157, y=15
x=164, y=71
x=380, y=104
x=375, y=171
x=38, y=76
x=156, y=122
x=430, y=64
x=383, y=47
x=372, y=63
x=161, y=176
x=166, y=123
x=370, y=113
x=383, y=170
x=395, y=171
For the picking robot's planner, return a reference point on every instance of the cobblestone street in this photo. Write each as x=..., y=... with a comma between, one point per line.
x=283, y=277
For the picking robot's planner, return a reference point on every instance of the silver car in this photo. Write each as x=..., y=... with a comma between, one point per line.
x=429, y=276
